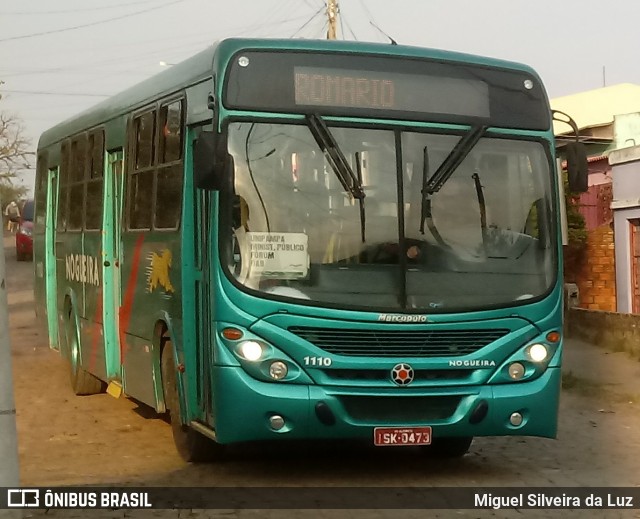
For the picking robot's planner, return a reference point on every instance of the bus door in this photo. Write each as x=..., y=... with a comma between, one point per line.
x=203, y=302
x=111, y=258
x=50, y=257
x=61, y=269
x=197, y=322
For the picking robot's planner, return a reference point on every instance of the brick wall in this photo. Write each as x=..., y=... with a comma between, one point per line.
x=594, y=271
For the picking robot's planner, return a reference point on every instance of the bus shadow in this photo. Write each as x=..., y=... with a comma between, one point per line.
x=145, y=411
x=333, y=463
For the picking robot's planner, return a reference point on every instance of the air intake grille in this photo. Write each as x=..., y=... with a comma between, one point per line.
x=398, y=343
x=400, y=409
x=382, y=375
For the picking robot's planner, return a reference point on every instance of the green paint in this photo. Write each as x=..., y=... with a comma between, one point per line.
x=195, y=299
x=50, y=258
x=111, y=282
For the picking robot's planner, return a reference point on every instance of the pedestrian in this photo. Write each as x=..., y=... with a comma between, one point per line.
x=12, y=212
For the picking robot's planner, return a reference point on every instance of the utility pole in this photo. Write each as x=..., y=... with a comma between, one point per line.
x=332, y=13
x=9, y=476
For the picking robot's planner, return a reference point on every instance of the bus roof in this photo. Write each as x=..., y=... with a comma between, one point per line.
x=201, y=66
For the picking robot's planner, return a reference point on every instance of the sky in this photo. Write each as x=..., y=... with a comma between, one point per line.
x=59, y=58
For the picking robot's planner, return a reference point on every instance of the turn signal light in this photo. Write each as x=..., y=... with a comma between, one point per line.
x=233, y=334
x=553, y=337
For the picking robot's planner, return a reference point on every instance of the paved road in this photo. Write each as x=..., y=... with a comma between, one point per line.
x=68, y=440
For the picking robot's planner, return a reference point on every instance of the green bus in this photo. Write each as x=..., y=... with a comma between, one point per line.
x=295, y=239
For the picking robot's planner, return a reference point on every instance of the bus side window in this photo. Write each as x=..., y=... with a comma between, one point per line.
x=93, y=218
x=169, y=197
x=63, y=208
x=141, y=199
x=170, y=172
x=144, y=128
x=171, y=123
x=42, y=173
x=77, y=183
x=142, y=177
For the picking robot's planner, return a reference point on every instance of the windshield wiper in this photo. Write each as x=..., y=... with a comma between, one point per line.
x=334, y=155
x=361, y=200
x=432, y=185
x=425, y=210
x=483, y=207
x=453, y=160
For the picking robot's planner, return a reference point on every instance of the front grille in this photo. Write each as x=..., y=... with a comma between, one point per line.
x=398, y=343
x=406, y=409
x=383, y=375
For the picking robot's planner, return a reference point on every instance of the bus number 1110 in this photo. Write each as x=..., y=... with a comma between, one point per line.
x=317, y=361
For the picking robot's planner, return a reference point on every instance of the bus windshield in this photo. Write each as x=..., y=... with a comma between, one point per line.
x=479, y=237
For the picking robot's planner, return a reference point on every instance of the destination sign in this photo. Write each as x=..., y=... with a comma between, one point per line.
x=325, y=87
x=384, y=87
x=390, y=91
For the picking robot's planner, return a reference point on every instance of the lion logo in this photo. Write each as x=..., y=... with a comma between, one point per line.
x=158, y=271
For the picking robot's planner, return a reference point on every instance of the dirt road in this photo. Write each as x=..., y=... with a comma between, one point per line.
x=69, y=440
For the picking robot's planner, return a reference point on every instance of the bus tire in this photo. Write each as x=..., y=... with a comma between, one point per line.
x=451, y=447
x=191, y=445
x=82, y=382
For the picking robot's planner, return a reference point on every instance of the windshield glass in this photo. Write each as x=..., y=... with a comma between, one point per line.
x=481, y=238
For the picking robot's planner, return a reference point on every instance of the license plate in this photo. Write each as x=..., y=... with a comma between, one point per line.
x=390, y=436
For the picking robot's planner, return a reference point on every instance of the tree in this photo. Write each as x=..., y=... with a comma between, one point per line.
x=15, y=155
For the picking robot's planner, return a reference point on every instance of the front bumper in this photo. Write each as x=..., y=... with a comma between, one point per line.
x=243, y=406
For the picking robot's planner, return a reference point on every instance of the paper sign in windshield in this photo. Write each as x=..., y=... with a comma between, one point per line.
x=278, y=255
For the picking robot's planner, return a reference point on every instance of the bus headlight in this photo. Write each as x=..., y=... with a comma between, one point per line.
x=538, y=352
x=251, y=350
x=278, y=370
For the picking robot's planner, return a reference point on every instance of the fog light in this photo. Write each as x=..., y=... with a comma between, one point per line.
x=278, y=370
x=251, y=350
x=538, y=352
x=276, y=422
x=516, y=371
x=515, y=419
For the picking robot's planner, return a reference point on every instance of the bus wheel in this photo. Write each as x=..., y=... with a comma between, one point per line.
x=82, y=382
x=191, y=445
x=454, y=447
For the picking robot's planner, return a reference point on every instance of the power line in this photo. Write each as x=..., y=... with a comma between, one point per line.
x=38, y=13
x=283, y=6
x=84, y=67
x=53, y=93
x=311, y=3
x=373, y=23
x=366, y=10
x=252, y=28
x=324, y=29
x=349, y=27
x=199, y=39
x=24, y=36
x=308, y=21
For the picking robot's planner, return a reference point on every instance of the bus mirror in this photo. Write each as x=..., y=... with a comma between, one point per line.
x=206, y=173
x=577, y=167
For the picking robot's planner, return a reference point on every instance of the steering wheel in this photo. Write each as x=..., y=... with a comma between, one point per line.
x=389, y=252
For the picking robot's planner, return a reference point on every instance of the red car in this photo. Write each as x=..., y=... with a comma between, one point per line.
x=24, y=236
